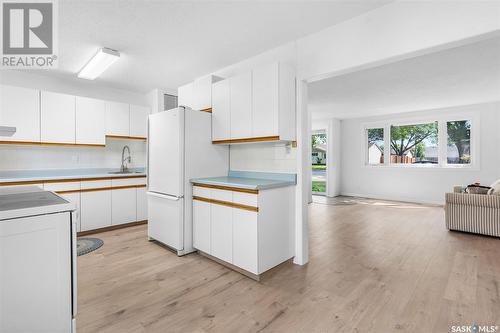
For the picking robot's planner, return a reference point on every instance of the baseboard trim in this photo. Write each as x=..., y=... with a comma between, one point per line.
x=111, y=227
x=391, y=198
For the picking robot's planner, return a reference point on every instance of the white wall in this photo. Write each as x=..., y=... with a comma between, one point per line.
x=424, y=185
x=59, y=157
x=50, y=157
x=265, y=157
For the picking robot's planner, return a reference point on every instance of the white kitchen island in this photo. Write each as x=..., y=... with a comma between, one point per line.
x=245, y=220
x=37, y=261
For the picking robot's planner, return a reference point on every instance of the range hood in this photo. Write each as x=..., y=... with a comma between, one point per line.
x=7, y=131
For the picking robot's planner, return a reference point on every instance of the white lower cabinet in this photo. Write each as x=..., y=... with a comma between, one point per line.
x=142, y=204
x=245, y=240
x=221, y=238
x=95, y=209
x=123, y=206
x=201, y=226
x=74, y=198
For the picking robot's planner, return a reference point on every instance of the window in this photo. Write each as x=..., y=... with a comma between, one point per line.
x=415, y=144
x=422, y=143
x=459, y=150
x=375, y=147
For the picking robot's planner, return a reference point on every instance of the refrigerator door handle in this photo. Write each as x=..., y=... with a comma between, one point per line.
x=163, y=196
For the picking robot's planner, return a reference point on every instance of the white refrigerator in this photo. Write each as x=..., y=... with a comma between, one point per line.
x=179, y=148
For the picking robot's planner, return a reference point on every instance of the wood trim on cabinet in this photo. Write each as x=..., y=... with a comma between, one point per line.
x=227, y=203
x=30, y=182
x=111, y=227
x=110, y=188
x=33, y=143
x=126, y=137
x=256, y=139
x=227, y=188
x=209, y=110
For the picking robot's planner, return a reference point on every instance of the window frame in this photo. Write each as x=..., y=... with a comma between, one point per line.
x=442, y=137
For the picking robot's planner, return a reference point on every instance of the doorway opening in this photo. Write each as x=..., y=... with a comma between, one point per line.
x=318, y=158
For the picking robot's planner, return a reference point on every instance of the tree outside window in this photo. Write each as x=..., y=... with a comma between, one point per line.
x=459, y=150
x=415, y=144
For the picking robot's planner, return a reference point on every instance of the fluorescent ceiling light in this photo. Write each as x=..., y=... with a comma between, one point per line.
x=99, y=63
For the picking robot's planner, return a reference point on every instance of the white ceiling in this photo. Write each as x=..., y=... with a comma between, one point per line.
x=460, y=76
x=165, y=44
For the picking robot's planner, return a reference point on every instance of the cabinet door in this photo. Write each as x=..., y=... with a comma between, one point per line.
x=95, y=208
x=265, y=101
x=221, y=232
x=142, y=204
x=202, y=93
x=221, y=116
x=139, y=121
x=74, y=198
x=123, y=206
x=90, y=121
x=245, y=252
x=201, y=226
x=20, y=108
x=185, y=95
x=117, y=119
x=241, y=106
x=57, y=117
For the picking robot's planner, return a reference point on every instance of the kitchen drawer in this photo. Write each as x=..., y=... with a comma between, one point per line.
x=128, y=181
x=62, y=186
x=221, y=195
x=202, y=192
x=89, y=184
x=247, y=199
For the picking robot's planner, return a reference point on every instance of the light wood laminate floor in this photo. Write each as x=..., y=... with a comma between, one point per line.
x=374, y=266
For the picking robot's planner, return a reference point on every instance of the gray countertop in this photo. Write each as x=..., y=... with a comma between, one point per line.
x=250, y=180
x=61, y=174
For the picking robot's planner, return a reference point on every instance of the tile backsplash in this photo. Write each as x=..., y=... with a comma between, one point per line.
x=20, y=157
x=265, y=157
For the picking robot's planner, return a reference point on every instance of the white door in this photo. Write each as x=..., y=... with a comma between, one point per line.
x=90, y=121
x=142, y=204
x=57, y=117
x=95, y=209
x=139, y=121
x=117, y=119
x=201, y=226
x=241, y=106
x=166, y=219
x=20, y=107
x=35, y=274
x=265, y=99
x=245, y=251
x=123, y=206
x=221, y=234
x=166, y=152
x=221, y=116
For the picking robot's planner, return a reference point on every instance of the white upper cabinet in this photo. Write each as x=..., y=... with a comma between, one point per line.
x=90, y=121
x=117, y=119
x=20, y=107
x=261, y=105
x=139, y=121
x=202, y=92
x=221, y=117
x=185, y=95
x=57, y=113
x=265, y=101
x=241, y=105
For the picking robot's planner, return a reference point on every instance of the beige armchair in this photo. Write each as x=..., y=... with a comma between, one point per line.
x=476, y=213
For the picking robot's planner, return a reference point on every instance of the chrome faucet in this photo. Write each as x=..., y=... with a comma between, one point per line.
x=128, y=159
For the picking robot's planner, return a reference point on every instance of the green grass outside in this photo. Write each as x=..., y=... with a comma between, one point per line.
x=318, y=186
x=319, y=167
